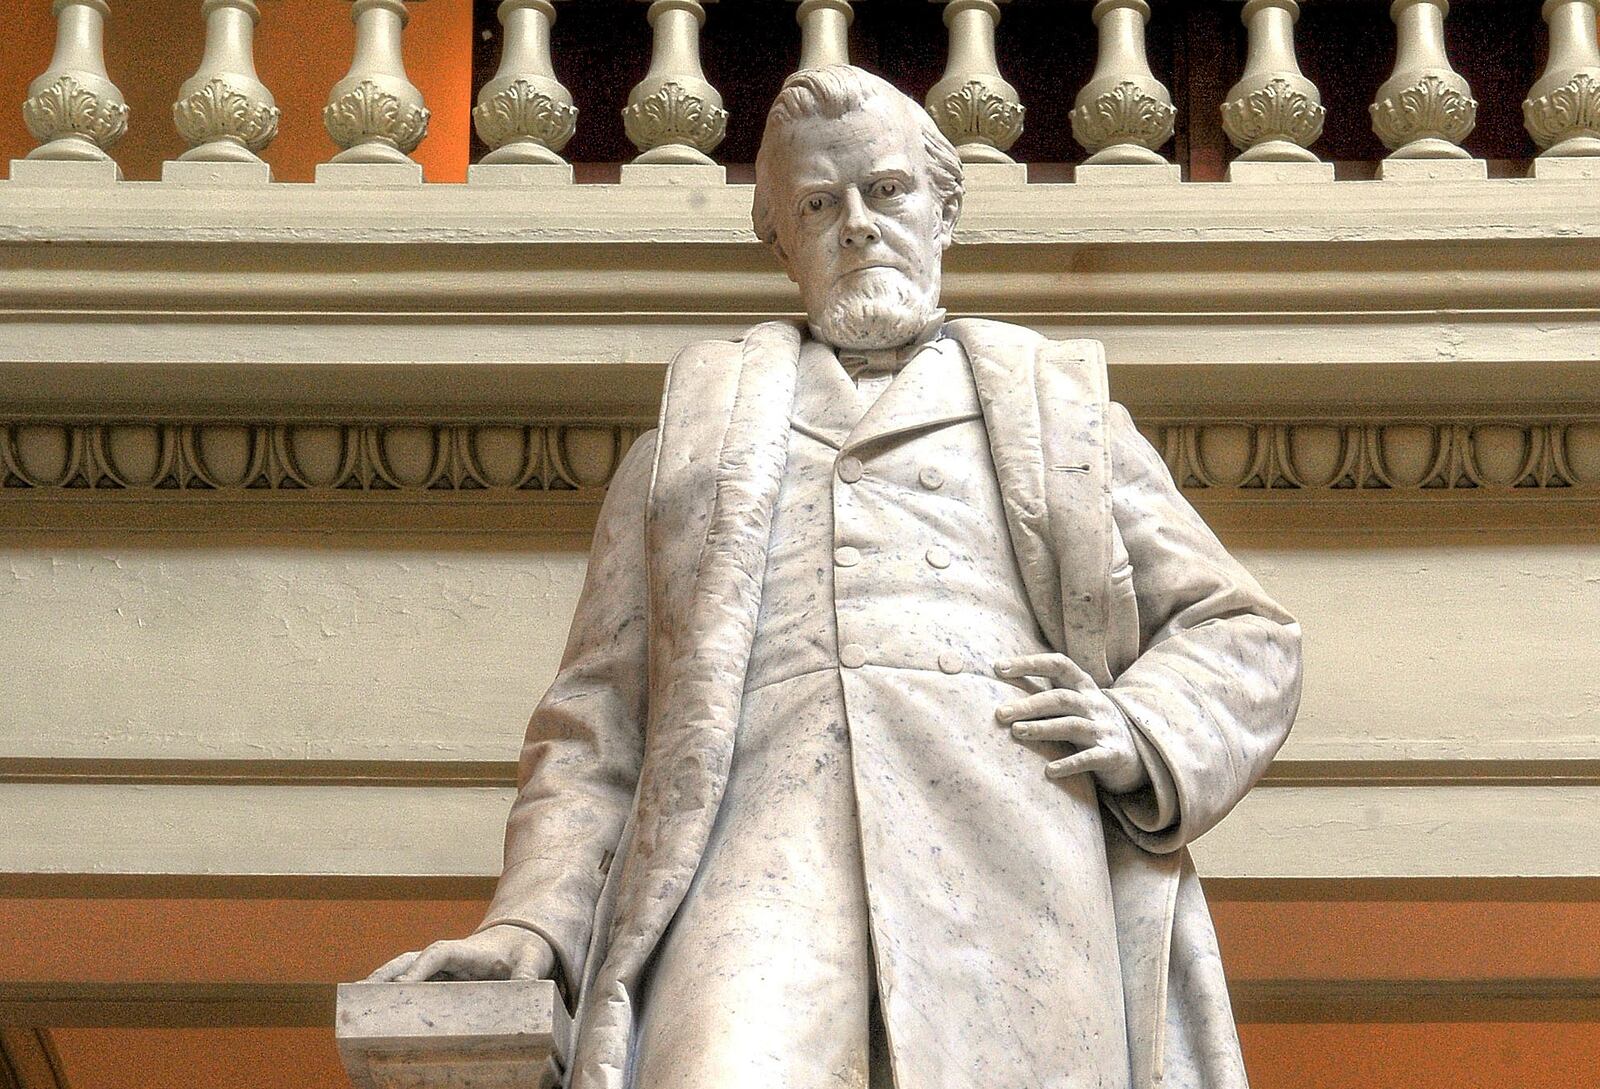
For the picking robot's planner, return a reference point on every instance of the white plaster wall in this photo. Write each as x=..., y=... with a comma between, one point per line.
x=437, y=647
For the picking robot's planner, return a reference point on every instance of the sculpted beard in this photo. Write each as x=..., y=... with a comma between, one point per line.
x=879, y=308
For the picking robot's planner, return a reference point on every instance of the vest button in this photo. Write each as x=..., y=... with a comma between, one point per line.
x=846, y=556
x=949, y=662
x=938, y=557
x=852, y=655
x=931, y=478
x=849, y=469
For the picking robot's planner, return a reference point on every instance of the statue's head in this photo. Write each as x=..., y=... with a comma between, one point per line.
x=858, y=193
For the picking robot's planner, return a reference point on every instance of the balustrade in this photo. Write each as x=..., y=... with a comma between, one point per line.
x=375, y=112
x=824, y=32
x=1123, y=114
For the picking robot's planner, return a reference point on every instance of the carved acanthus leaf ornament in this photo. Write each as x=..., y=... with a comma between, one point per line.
x=1573, y=109
x=1277, y=111
x=68, y=108
x=367, y=111
x=1431, y=108
x=974, y=113
x=1126, y=114
x=219, y=110
x=521, y=111
x=674, y=115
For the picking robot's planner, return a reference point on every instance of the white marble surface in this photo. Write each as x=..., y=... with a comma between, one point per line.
x=449, y=1035
x=907, y=586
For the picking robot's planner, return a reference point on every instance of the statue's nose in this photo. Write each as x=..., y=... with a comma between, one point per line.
x=858, y=228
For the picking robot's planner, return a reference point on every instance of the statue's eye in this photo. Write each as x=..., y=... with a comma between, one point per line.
x=886, y=189
x=816, y=202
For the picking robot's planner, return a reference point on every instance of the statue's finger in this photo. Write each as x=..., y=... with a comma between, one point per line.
x=1056, y=703
x=1056, y=667
x=1096, y=759
x=1079, y=731
x=429, y=963
x=390, y=969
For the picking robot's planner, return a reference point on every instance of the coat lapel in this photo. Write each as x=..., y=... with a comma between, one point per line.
x=697, y=692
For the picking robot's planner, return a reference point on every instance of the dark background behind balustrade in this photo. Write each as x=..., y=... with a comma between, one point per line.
x=1046, y=50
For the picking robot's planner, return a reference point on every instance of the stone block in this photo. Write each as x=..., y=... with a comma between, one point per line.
x=65, y=173
x=1245, y=172
x=495, y=1034
x=370, y=175
x=518, y=175
x=686, y=174
x=1432, y=170
x=202, y=175
x=1584, y=168
x=1134, y=174
x=994, y=175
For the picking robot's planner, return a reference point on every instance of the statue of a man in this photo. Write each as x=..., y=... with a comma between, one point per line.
x=900, y=680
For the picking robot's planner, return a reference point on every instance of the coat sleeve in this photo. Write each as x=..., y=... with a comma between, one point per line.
x=580, y=762
x=1216, y=683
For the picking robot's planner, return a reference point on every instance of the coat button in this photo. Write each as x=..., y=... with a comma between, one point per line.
x=846, y=556
x=852, y=655
x=931, y=478
x=849, y=469
x=949, y=662
x=938, y=557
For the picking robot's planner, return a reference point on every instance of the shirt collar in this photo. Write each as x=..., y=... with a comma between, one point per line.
x=861, y=363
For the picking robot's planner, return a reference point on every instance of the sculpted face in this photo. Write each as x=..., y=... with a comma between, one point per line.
x=860, y=227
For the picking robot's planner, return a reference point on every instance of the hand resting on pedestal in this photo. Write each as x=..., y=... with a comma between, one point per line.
x=499, y=952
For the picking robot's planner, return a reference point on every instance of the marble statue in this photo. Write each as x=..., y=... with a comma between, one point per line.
x=901, y=678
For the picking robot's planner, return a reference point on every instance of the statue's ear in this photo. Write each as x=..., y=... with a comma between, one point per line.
x=947, y=221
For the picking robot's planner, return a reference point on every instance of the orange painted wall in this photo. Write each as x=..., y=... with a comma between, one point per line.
x=222, y=940
x=302, y=48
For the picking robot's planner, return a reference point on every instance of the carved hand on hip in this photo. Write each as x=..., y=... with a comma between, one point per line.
x=1075, y=711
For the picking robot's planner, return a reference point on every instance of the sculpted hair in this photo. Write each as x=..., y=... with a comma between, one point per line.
x=831, y=92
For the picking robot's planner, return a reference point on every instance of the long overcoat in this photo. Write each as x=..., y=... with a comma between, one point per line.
x=628, y=754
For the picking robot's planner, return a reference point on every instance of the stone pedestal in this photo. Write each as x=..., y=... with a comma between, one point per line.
x=479, y=1035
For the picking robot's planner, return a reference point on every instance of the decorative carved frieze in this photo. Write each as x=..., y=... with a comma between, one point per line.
x=1383, y=455
x=351, y=459
x=301, y=458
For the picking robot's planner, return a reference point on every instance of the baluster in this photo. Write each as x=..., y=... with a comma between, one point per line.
x=73, y=109
x=224, y=111
x=524, y=113
x=1425, y=108
x=375, y=112
x=674, y=115
x=1123, y=113
x=1562, y=111
x=1274, y=112
x=824, y=32
x=972, y=103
